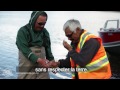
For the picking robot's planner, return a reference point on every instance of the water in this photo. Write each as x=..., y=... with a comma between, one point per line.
x=11, y=21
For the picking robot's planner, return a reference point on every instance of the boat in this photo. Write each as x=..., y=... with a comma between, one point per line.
x=110, y=35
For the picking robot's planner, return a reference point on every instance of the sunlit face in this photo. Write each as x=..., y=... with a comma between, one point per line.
x=72, y=36
x=40, y=23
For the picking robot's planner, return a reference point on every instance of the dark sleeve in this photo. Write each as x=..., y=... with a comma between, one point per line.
x=65, y=62
x=47, y=45
x=22, y=44
x=49, y=54
x=88, y=51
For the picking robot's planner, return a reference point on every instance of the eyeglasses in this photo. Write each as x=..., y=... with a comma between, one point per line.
x=70, y=35
x=42, y=23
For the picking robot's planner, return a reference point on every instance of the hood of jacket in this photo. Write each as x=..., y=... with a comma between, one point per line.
x=36, y=37
x=34, y=16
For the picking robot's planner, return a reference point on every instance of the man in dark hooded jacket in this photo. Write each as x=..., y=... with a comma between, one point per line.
x=33, y=42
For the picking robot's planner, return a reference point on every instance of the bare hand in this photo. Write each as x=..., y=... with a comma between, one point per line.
x=43, y=63
x=67, y=46
x=53, y=64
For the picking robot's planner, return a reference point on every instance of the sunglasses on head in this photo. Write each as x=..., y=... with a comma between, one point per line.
x=42, y=23
x=69, y=35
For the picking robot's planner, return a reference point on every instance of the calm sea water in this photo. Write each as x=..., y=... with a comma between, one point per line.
x=11, y=21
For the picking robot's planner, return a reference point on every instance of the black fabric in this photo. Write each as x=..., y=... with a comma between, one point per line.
x=65, y=62
x=86, y=54
x=84, y=57
x=88, y=51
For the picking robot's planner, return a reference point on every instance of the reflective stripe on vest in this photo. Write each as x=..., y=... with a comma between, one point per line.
x=84, y=36
x=97, y=64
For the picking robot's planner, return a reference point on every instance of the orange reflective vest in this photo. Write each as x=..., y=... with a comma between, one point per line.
x=99, y=67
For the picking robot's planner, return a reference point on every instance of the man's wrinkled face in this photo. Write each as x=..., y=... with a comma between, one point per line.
x=40, y=23
x=72, y=36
